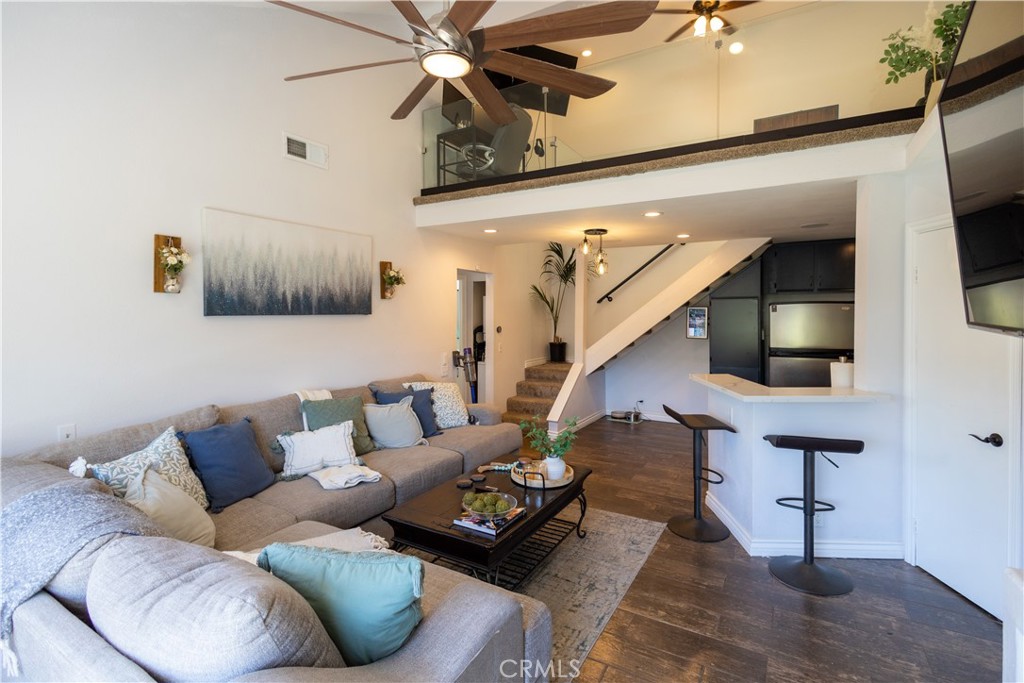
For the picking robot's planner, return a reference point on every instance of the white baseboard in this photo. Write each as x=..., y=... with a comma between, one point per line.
x=868, y=550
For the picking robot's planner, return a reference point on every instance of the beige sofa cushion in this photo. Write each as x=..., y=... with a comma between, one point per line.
x=116, y=443
x=246, y=520
x=480, y=444
x=415, y=469
x=184, y=612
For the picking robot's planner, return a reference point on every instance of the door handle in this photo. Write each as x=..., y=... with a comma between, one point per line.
x=993, y=439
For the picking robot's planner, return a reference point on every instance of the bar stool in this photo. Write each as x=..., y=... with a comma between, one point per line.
x=803, y=574
x=696, y=528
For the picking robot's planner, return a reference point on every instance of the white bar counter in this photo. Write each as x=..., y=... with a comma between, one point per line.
x=866, y=488
x=752, y=392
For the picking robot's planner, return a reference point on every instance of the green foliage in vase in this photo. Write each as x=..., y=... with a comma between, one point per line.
x=929, y=46
x=540, y=439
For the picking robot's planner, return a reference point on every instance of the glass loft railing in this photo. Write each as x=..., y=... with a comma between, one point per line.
x=813, y=63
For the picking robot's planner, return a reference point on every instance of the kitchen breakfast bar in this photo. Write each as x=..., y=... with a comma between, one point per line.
x=866, y=488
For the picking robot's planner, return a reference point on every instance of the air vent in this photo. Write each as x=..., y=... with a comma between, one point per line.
x=308, y=151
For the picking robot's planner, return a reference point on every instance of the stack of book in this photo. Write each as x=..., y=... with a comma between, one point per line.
x=491, y=527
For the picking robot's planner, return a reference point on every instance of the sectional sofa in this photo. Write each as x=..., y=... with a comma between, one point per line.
x=53, y=637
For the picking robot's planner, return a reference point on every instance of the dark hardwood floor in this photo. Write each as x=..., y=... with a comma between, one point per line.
x=707, y=612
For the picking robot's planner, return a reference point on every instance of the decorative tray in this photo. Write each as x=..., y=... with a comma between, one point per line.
x=535, y=481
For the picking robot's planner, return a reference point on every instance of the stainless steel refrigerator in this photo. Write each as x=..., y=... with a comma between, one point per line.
x=804, y=339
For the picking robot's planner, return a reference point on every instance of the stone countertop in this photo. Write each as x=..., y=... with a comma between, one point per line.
x=751, y=392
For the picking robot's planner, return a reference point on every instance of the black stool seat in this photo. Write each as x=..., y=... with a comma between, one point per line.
x=803, y=574
x=696, y=528
x=814, y=443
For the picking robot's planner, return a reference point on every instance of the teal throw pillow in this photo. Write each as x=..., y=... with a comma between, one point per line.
x=334, y=411
x=369, y=602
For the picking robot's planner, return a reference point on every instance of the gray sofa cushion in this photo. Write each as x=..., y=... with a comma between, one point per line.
x=344, y=508
x=438, y=582
x=395, y=384
x=19, y=477
x=269, y=418
x=414, y=469
x=69, y=585
x=248, y=519
x=184, y=612
x=116, y=443
x=296, y=533
x=480, y=444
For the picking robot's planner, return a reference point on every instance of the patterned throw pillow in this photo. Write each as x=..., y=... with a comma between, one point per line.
x=168, y=459
x=449, y=408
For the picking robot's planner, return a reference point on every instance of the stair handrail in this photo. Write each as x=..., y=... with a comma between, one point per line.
x=636, y=272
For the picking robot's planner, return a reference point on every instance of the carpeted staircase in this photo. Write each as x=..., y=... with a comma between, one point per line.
x=536, y=394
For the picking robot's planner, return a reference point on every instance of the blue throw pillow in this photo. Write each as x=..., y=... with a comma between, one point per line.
x=422, y=405
x=369, y=602
x=228, y=462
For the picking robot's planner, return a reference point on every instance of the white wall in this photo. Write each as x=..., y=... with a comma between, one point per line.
x=123, y=120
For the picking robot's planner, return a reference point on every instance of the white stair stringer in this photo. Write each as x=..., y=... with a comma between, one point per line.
x=666, y=304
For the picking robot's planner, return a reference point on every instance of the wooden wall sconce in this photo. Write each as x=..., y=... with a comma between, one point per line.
x=159, y=276
x=386, y=292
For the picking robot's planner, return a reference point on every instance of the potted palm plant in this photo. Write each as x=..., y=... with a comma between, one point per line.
x=558, y=272
x=553, y=450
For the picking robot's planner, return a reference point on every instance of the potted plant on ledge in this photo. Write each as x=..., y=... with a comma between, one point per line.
x=553, y=450
x=926, y=48
x=559, y=271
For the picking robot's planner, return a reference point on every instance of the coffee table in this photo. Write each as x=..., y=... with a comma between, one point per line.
x=425, y=523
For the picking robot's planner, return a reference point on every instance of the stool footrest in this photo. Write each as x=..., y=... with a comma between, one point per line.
x=718, y=474
x=819, y=505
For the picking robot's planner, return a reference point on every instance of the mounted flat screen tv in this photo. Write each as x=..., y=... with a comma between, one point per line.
x=982, y=117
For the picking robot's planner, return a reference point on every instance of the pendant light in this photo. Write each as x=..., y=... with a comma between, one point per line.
x=601, y=257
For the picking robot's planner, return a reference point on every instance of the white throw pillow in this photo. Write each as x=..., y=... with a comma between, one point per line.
x=171, y=508
x=394, y=425
x=449, y=408
x=306, y=452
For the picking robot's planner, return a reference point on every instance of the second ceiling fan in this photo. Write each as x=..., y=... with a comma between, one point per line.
x=449, y=46
x=707, y=16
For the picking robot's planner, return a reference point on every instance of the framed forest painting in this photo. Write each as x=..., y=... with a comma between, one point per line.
x=263, y=266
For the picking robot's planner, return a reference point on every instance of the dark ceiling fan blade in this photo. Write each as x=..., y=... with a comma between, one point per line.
x=488, y=96
x=674, y=11
x=410, y=13
x=735, y=4
x=583, y=22
x=680, y=31
x=336, y=20
x=417, y=94
x=466, y=14
x=341, y=70
x=545, y=73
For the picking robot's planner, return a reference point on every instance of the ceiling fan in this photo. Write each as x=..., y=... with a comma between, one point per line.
x=449, y=46
x=707, y=17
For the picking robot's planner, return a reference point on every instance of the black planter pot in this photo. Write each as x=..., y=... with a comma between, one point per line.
x=556, y=351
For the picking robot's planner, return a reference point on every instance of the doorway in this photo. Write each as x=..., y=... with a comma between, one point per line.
x=474, y=313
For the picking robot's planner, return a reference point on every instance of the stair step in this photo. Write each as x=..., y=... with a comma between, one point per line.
x=541, y=388
x=554, y=372
x=532, y=405
x=516, y=418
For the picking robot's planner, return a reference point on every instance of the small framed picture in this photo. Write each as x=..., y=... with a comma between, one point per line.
x=696, y=322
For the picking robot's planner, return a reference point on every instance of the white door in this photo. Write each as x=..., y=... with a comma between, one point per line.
x=962, y=384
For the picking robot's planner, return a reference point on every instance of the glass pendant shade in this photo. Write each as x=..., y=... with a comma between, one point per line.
x=716, y=24
x=701, y=27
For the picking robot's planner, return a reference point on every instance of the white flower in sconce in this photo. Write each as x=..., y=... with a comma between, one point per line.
x=393, y=277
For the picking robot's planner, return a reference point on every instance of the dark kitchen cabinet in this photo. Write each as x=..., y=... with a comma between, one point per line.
x=734, y=334
x=825, y=266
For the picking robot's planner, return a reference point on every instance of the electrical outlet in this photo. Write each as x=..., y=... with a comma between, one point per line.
x=66, y=432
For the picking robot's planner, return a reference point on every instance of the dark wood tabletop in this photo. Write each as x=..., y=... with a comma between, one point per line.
x=426, y=521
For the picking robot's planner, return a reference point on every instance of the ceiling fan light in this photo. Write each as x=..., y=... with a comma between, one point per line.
x=716, y=24
x=446, y=64
x=701, y=27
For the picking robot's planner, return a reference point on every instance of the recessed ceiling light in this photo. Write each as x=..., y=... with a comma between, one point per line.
x=652, y=214
x=735, y=48
x=811, y=226
x=586, y=53
x=490, y=231
x=682, y=237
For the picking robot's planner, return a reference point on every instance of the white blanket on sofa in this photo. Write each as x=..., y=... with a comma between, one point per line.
x=345, y=476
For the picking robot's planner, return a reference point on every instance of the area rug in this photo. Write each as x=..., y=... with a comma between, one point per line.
x=584, y=579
